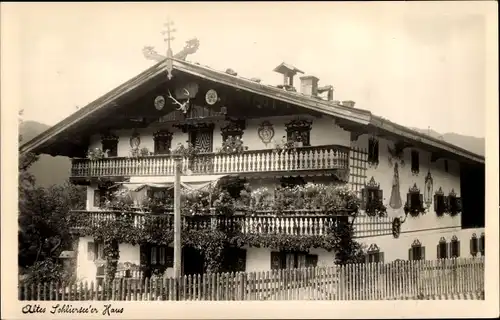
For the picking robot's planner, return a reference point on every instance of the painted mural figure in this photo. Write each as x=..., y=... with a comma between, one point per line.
x=395, y=201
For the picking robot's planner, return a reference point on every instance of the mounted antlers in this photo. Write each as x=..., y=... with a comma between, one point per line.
x=182, y=106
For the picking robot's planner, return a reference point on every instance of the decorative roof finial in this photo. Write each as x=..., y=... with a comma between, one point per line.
x=168, y=38
x=190, y=47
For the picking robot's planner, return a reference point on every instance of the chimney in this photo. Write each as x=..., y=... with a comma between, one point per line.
x=309, y=85
x=288, y=72
x=348, y=103
x=328, y=90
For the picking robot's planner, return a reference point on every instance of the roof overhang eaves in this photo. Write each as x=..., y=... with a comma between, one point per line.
x=106, y=100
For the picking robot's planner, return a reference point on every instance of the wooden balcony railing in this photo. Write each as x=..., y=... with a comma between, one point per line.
x=290, y=224
x=305, y=158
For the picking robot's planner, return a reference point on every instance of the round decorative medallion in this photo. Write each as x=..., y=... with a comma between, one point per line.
x=159, y=102
x=211, y=97
x=396, y=227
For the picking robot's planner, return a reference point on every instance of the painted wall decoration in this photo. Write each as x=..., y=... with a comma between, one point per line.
x=395, y=201
x=135, y=140
x=159, y=102
x=428, y=189
x=396, y=227
x=266, y=132
x=396, y=154
x=211, y=97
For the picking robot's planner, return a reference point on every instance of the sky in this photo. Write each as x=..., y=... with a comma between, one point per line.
x=416, y=66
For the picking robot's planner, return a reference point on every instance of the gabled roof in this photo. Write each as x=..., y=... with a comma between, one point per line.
x=351, y=115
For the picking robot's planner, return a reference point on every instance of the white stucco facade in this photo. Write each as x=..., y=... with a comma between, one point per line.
x=428, y=228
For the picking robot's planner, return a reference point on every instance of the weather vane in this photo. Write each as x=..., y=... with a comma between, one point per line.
x=191, y=47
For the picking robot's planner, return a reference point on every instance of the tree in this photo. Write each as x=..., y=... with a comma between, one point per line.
x=43, y=232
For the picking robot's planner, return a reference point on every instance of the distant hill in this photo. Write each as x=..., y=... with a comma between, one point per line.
x=47, y=170
x=473, y=144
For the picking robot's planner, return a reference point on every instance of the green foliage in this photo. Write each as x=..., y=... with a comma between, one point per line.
x=232, y=145
x=46, y=271
x=43, y=231
x=95, y=154
x=347, y=250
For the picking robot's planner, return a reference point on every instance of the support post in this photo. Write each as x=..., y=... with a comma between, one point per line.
x=177, y=219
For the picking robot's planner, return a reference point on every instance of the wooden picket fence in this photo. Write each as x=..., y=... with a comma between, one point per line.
x=401, y=280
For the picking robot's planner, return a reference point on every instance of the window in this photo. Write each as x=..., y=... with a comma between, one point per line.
x=233, y=129
x=374, y=255
x=235, y=260
x=440, y=202
x=454, y=247
x=416, y=252
x=415, y=162
x=373, y=151
x=202, y=139
x=161, y=255
x=474, y=245
x=291, y=260
x=99, y=198
x=110, y=145
x=162, y=142
x=454, y=203
x=299, y=131
x=95, y=251
x=442, y=249
x=414, y=201
x=371, y=198
x=481, y=244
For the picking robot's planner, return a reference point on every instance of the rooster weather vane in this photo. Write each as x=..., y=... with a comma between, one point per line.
x=191, y=47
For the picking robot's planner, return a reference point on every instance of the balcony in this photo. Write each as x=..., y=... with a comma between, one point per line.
x=299, y=222
x=328, y=157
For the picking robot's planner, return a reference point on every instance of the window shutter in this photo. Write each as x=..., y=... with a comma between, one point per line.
x=275, y=260
x=459, y=204
x=241, y=260
x=458, y=249
x=474, y=246
x=381, y=257
x=97, y=198
x=375, y=150
x=153, y=254
x=449, y=249
x=161, y=255
x=422, y=256
x=367, y=258
x=438, y=251
x=482, y=245
x=408, y=199
x=447, y=201
x=436, y=208
x=421, y=199
x=364, y=198
x=410, y=254
x=380, y=195
x=169, y=257
x=91, y=251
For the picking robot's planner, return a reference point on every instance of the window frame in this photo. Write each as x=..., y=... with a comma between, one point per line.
x=110, y=142
x=162, y=138
x=374, y=255
x=442, y=249
x=416, y=246
x=300, y=128
x=159, y=251
x=285, y=256
x=371, y=197
x=454, y=247
x=373, y=151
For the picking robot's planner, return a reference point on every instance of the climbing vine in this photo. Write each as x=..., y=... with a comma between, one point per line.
x=212, y=240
